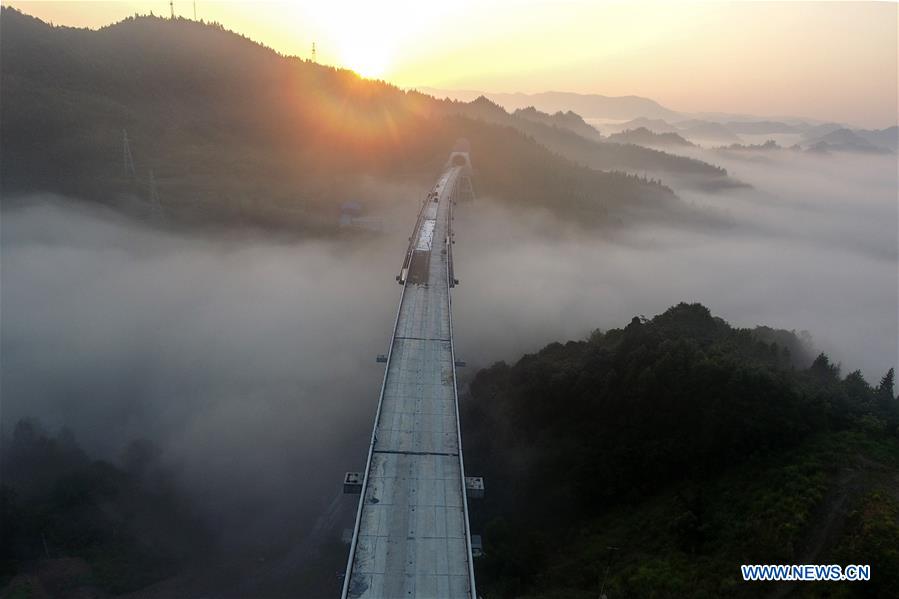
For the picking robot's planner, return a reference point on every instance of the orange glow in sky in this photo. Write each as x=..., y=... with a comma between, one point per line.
x=829, y=61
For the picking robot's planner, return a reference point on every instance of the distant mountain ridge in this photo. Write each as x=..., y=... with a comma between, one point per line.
x=644, y=137
x=885, y=138
x=761, y=127
x=634, y=112
x=599, y=154
x=701, y=130
x=821, y=138
x=847, y=140
x=565, y=120
x=586, y=105
x=654, y=125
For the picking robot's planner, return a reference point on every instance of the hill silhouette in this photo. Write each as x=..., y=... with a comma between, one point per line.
x=654, y=125
x=698, y=130
x=847, y=140
x=586, y=105
x=233, y=131
x=761, y=127
x=885, y=138
x=645, y=137
x=564, y=120
x=587, y=150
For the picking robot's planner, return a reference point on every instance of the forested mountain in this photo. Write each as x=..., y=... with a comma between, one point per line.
x=816, y=131
x=706, y=131
x=105, y=528
x=761, y=127
x=586, y=105
x=765, y=147
x=846, y=140
x=233, y=131
x=594, y=153
x=885, y=138
x=644, y=137
x=689, y=447
x=654, y=125
x=564, y=120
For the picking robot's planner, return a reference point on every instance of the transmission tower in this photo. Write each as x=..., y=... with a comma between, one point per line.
x=127, y=159
x=195, y=10
x=313, y=51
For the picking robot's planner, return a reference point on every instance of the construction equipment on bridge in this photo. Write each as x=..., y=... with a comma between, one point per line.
x=474, y=487
x=477, y=546
x=352, y=483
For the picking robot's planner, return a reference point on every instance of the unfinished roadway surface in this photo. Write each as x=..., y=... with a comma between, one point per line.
x=411, y=537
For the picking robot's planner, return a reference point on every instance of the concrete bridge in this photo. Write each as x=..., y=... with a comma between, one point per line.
x=411, y=537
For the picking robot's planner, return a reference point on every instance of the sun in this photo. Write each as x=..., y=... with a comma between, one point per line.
x=374, y=39
x=362, y=36
x=366, y=57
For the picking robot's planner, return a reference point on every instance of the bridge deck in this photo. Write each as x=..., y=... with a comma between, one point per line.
x=412, y=537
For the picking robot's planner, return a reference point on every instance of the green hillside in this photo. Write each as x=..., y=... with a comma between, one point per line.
x=688, y=446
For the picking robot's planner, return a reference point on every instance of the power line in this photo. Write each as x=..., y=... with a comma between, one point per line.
x=127, y=158
x=155, y=204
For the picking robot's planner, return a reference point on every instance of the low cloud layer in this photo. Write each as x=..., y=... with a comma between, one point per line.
x=812, y=246
x=250, y=361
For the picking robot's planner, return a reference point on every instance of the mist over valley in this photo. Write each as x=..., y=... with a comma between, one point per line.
x=673, y=334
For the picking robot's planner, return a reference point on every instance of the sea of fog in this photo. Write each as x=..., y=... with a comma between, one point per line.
x=251, y=361
x=812, y=245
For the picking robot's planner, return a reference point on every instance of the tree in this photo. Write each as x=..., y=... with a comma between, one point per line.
x=885, y=388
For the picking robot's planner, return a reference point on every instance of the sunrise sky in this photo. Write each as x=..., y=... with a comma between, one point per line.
x=828, y=61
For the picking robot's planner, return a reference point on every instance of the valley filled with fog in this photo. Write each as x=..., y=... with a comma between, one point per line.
x=669, y=347
x=251, y=358
x=810, y=246
x=243, y=359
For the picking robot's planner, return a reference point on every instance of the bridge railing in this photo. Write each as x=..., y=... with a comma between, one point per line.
x=449, y=299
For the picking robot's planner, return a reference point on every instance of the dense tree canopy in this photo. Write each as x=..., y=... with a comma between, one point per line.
x=667, y=405
x=129, y=522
